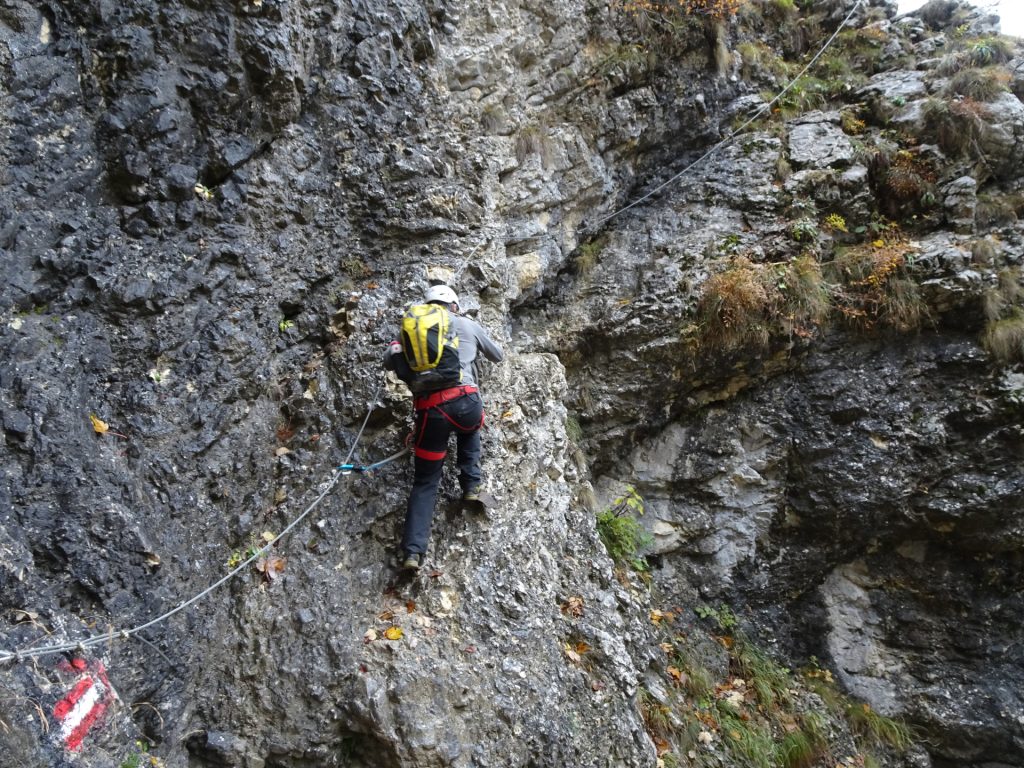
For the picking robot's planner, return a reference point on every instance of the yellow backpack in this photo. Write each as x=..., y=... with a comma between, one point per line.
x=431, y=348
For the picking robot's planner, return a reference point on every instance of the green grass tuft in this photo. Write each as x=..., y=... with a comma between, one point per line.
x=879, y=730
x=981, y=84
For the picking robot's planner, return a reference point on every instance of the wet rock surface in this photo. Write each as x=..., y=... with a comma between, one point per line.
x=210, y=216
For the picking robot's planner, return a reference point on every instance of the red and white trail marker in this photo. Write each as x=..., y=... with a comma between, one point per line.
x=79, y=711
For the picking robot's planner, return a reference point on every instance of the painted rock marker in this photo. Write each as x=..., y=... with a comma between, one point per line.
x=79, y=711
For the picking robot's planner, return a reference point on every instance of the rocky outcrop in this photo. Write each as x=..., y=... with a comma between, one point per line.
x=210, y=218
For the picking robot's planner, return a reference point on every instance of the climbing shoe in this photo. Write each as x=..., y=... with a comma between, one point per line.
x=477, y=500
x=411, y=561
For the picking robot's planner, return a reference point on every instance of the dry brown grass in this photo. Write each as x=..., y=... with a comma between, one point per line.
x=747, y=304
x=738, y=307
x=876, y=288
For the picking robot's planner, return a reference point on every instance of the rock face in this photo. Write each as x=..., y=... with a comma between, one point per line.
x=211, y=218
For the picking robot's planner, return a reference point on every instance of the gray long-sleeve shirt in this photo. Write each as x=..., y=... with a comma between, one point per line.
x=473, y=339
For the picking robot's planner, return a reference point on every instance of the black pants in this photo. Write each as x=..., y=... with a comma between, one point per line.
x=464, y=417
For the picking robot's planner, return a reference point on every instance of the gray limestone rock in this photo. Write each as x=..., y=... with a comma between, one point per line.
x=817, y=141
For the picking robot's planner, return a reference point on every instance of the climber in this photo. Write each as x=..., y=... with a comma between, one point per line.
x=444, y=403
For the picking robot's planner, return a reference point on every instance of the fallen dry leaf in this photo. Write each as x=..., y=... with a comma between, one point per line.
x=394, y=633
x=101, y=427
x=573, y=606
x=661, y=745
x=270, y=566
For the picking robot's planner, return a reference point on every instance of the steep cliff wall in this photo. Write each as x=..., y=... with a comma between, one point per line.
x=210, y=217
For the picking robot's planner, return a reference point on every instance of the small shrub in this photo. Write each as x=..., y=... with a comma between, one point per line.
x=716, y=9
x=978, y=52
x=904, y=182
x=1004, y=338
x=723, y=616
x=746, y=304
x=738, y=307
x=588, y=254
x=815, y=724
x=626, y=62
x=833, y=66
x=141, y=758
x=808, y=93
x=622, y=535
x=876, y=288
x=956, y=126
x=698, y=682
x=980, y=84
x=836, y=223
x=804, y=230
x=993, y=304
x=986, y=51
x=851, y=123
x=905, y=310
x=908, y=176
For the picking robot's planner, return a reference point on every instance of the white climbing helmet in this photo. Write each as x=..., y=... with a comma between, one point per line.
x=441, y=293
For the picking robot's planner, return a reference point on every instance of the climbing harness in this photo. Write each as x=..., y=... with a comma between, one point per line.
x=88, y=642
x=434, y=399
